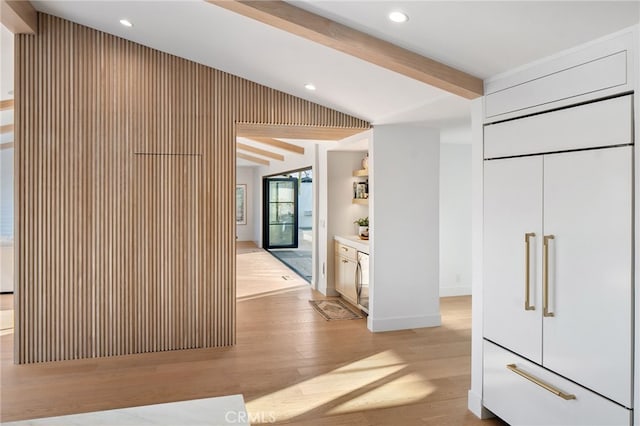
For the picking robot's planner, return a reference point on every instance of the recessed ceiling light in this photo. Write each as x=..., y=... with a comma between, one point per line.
x=397, y=16
x=310, y=86
x=126, y=23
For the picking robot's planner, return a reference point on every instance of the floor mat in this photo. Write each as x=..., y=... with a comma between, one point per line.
x=334, y=309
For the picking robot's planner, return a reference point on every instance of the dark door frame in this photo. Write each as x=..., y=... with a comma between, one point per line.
x=265, y=212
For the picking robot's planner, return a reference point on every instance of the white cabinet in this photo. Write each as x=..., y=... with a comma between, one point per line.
x=594, y=125
x=558, y=281
x=588, y=209
x=580, y=203
x=513, y=387
x=513, y=214
x=346, y=263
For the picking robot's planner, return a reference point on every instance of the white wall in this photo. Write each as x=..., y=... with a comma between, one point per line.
x=6, y=220
x=455, y=219
x=477, y=220
x=404, y=177
x=6, y=79
x=340, y=212
x=636, y=399
x=331, y=215
x=245, y=175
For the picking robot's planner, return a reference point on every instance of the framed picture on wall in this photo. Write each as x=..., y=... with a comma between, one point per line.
x=241, y=204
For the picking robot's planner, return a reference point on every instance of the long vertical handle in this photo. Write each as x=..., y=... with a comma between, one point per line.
x=358, y=280
x=527, y=271
x=545, y=277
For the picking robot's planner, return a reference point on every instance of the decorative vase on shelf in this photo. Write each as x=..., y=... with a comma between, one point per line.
x=363, y=227
x=365, y=162
x=363, y=232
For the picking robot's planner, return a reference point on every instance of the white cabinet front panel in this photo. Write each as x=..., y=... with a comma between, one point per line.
x=346, y=283
x=588, y=210
x=512, y=208
x=593, y=76
x=598, y=124
x=521, y=402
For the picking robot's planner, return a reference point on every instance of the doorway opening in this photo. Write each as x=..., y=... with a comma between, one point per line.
x=288, y=219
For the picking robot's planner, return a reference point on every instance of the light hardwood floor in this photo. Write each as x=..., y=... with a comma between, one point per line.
x=289, y=363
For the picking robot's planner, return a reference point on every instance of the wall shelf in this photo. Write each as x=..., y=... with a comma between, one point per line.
x=361, y=173
x=363, y=201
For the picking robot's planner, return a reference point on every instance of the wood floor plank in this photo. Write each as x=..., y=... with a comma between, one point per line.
x=289, y=363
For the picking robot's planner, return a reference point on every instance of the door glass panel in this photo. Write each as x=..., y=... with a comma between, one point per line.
x=280, y=235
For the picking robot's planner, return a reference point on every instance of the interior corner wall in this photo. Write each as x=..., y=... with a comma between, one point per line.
x=636, y=125
x=455, y=219
x=404, y=176
x=341, y=211
x=6, y=220
x=245, y=176
x=477, y=241
x=125, y=193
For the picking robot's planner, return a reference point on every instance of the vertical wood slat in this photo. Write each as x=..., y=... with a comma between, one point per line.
x=125, y=181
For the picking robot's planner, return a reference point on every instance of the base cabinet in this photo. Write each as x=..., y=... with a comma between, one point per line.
x=528, y=398
x=346, y=263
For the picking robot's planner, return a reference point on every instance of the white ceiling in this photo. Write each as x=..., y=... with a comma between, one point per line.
x=483, y=38
x=479, y=37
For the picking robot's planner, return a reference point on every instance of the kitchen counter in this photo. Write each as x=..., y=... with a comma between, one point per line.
x=353, y=241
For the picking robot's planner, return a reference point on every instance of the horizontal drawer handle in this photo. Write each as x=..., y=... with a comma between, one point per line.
x=540, y=383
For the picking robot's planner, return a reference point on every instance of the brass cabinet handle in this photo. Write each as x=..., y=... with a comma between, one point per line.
x=527, y=271
x=545, y=277
x=345, y=261
x=540, y=383
x=345, y=249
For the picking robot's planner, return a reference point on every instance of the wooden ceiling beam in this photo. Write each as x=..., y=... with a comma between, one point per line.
x=279, y=144
x=6, y=104
x=6, y=128
x=264, y=153
x=316, y=28
x=19, y=16
x=251, y=130
x=252, y=159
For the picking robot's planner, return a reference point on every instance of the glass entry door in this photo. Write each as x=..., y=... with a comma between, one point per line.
x=281, y=213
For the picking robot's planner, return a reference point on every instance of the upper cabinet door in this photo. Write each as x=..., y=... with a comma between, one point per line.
x=588, y=211
x=513, y=217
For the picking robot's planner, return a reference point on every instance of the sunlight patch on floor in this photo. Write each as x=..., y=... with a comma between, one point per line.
x=406, y=389
x=259, y=274
x=378, y=381
x=6, y=322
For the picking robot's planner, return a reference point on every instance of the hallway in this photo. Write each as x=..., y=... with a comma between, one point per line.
x=288, y=363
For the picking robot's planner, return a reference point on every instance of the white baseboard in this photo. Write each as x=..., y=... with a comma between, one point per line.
x=404, y=323
x=474, y=403
x=325, y=291
x=455, y=291
x=328, y=292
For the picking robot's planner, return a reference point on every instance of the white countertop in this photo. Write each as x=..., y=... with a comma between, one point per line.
x=223, y=410
x=353, y=241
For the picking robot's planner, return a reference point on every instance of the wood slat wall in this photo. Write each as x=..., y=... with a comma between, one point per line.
x=125, y=183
